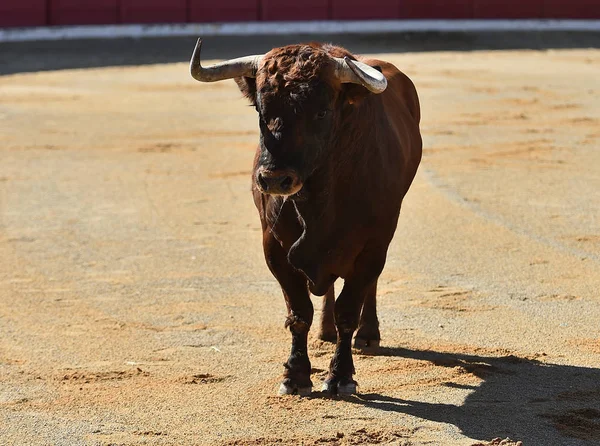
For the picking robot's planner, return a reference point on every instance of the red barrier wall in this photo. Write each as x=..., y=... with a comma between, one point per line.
x=364, y=10
x=436, y=9
x=23, y=13
x=295, y=10
x=571, y=9
x=72, y=12
x=508, y=9
x=153, y=11
x=82, y=12
x=224, y=11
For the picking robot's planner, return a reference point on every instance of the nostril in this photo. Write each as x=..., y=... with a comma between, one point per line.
x=287, y=183
x=263, y=184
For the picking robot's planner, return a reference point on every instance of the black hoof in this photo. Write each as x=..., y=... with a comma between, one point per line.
x=341, y=387
x=289, y=387
x=368, y=345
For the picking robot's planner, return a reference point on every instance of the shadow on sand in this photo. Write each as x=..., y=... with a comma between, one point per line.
x=17, y=57
x=540, y=404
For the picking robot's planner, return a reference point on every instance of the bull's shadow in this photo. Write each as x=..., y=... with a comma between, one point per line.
x=540, y=404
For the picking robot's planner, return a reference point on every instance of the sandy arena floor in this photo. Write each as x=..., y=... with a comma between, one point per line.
x=136, y=308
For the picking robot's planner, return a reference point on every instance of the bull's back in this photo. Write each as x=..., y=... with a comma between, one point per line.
x=400, y=105
x=400, y=90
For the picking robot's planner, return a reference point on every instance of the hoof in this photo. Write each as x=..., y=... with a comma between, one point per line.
x=366, y=344
x=291, y=389
x=337, y=387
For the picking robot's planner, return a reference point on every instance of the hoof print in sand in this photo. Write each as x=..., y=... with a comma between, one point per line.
x=500, y=442
x=92, y=377
x=202, y=378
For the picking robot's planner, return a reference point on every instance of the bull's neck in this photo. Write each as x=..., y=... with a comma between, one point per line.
x=311, y=253
x=316, y=212
x=332, y=185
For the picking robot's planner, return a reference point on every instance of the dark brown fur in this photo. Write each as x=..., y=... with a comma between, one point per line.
x=356, y=166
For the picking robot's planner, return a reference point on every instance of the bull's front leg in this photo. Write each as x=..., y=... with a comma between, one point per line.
x=347, y=312
x=296, y=375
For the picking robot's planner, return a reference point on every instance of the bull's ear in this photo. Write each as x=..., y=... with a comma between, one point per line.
x=354, y=94
x=247, y=86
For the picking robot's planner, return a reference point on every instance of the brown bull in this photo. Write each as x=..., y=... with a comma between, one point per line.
x=339, y=148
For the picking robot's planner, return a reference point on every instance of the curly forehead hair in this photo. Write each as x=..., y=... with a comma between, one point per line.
x=291, y=68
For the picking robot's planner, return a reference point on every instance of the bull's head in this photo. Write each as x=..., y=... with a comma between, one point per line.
x=298, y=93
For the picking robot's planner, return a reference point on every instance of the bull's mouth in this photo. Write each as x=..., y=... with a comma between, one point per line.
x=301, y=195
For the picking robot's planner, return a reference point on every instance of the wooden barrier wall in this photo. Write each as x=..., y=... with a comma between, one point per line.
x=82, y=12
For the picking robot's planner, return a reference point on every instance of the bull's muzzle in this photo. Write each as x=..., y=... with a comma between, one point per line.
x=278, y=182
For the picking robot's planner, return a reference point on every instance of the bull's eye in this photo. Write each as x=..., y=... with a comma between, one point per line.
x=321, y=114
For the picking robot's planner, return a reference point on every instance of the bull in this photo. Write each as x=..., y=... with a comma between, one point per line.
x=339, y=148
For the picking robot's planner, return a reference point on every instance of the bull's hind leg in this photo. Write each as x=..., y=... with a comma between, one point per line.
x=300, y=315
x=347, y=314
x=328, y=332
x=368, y=336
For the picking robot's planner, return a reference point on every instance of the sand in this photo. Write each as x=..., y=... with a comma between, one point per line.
x=136, y=308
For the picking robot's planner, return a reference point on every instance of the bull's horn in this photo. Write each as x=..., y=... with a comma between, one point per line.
x=354, y=72
x=242, y=66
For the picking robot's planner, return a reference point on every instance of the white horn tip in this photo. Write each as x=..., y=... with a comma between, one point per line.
x=371, y=78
